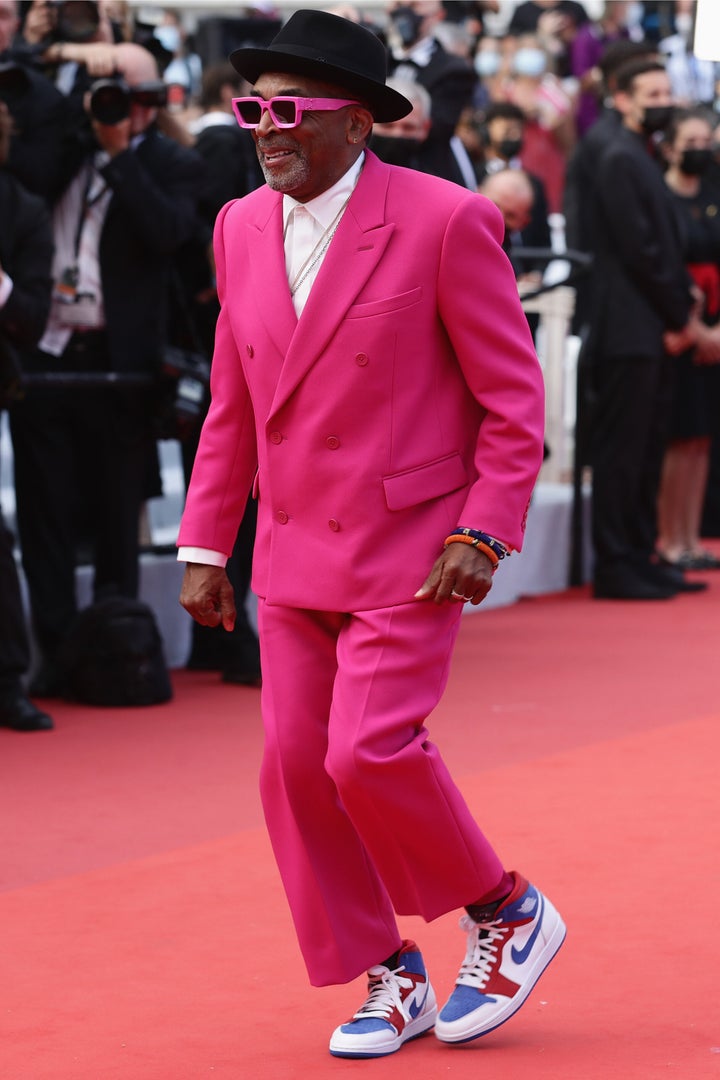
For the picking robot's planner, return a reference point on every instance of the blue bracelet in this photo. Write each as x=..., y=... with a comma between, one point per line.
x=500, y=550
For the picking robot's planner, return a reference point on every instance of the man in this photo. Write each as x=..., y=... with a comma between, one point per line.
x=415, y=53
x=640, y=292
x=401, y=142
x=503, y=133
x=130, y=205
x=38, y=111
x=25, y=257
x=374, y=372
x=512, y=192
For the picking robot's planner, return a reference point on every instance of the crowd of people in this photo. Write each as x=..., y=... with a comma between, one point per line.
x=118, y=148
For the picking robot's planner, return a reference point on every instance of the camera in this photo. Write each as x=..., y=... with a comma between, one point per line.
x=14, y=80
x=75, y=20
x=185, y=392
x=110, y=99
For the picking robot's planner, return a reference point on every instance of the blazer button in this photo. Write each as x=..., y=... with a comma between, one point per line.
x=282, y=517
x=276, y=437
x=332, y=442
x=361, y=359
x=250, y=351
x=334, y=525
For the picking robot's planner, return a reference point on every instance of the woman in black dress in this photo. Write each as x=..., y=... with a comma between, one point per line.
x=696, y=401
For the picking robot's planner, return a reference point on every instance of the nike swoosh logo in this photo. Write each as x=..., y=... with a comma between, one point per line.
x=519, y=956
x=417, y=1006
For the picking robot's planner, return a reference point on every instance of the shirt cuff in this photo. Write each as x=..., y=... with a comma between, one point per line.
x=201, y=555
x=6, y=287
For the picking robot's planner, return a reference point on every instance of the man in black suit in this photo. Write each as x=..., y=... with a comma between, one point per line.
x=25, y=257
x=39, y=112
x=416, y=54
x=129, y=207
x=641, y=292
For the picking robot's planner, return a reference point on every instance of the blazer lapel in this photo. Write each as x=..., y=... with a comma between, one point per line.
x=355, y=251
x=266, y=265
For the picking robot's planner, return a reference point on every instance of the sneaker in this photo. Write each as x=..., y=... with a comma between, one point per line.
x=507, y=953
x=401, y=1005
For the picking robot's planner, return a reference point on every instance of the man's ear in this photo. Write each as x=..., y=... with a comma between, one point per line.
x=360, y=124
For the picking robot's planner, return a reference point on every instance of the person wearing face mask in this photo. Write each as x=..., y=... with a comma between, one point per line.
x=398, y=142
x=696, y=394
x=416, y=54
x=550, y=119
x=640, y=291
x=503, y=136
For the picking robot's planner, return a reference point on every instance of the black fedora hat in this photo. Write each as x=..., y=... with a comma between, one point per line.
x=334, y=50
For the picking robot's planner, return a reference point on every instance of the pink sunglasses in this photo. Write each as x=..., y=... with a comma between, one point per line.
x=285, y=112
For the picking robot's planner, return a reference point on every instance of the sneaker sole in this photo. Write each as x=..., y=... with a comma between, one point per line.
x=414, y=1030
x=467, y=1034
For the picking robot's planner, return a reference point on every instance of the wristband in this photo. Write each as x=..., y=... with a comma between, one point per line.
x=489, y=546
x=484, y=538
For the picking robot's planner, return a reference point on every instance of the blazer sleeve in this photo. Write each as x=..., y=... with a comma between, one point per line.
x=481, y=311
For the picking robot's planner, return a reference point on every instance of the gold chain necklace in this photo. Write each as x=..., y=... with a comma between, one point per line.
x=322, y=244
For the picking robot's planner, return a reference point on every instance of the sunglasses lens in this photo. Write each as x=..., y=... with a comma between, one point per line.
x=285, y=111
x=250, y=111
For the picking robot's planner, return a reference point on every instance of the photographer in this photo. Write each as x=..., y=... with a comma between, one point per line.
x=129, y=207
x=25, y=256
x=38, y=110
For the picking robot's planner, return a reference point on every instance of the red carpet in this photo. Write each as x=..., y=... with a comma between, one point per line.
x=143, y=930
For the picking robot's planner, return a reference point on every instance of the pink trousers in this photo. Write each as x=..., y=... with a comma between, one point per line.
x=364, y=818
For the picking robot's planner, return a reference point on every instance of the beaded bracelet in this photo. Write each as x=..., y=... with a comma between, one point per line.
x=500, y=550
x=491, y=547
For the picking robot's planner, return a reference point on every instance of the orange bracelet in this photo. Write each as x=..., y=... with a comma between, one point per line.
x=461, y=538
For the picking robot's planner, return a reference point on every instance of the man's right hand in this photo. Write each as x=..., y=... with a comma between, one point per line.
x=208, y=595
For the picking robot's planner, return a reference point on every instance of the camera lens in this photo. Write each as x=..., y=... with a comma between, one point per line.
x=109, y=102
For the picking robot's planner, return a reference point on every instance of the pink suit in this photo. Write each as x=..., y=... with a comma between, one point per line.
x=405, y=401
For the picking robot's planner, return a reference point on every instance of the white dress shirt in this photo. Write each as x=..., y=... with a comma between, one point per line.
x=305, y=225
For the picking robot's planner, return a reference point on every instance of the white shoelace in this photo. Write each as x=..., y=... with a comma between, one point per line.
x=384, y=994
x=482, y=949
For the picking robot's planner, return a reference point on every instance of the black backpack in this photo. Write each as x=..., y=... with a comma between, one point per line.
x=113, y=656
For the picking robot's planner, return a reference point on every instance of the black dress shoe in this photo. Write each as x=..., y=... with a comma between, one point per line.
x=663, y=573
x=622, y=583
x=18, y=713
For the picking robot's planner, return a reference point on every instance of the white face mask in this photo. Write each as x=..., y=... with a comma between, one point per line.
x=529, y=62
x=169, y=37
x=486, y=63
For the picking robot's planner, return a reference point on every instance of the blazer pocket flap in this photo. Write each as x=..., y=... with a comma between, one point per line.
x=425, y=482
x=382, y=307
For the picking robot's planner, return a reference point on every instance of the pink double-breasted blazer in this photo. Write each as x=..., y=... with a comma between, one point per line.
x=405, y=401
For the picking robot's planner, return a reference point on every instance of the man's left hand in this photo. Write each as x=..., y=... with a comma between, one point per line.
x=461, y=574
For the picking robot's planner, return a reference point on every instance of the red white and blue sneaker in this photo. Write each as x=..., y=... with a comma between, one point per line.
x=401, y=1005
x=507, y=952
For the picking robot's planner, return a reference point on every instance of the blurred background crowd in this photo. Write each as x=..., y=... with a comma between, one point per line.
x=118, y=146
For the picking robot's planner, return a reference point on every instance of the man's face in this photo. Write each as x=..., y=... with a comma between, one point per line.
x=8, y=23
x=651, y=90
x=306, y=160
x=503, y=130
x=515, y=209
x=414, y=126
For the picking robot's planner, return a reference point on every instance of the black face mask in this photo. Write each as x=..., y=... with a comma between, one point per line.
x=656, y=118
x=407, y=25
x=695, y=162
x=396, y=149
x=508, y=148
